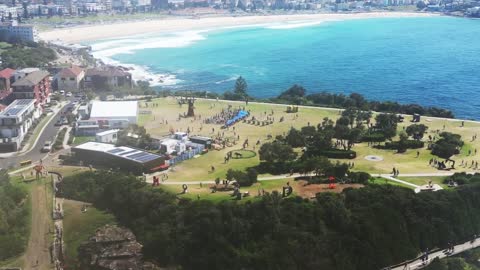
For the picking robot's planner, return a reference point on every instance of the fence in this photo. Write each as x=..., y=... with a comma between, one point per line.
x=196, y=150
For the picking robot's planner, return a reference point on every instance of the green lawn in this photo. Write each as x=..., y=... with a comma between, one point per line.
x=205, y=191
x=78, y=227
x=83, y=139
x=164, y=118
x=384, y=181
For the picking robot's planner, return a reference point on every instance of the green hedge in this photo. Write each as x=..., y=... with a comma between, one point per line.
x=337, y=153
x=373, y=137
x=59, y=140
x=409, y=144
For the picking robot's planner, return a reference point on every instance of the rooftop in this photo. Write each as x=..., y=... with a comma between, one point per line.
x=17, y=107
x=119, y=151
x=107, y=71
x=73, y=71
x=7, y=73
x=32, y=79
x=107, y=132
x=105, y=109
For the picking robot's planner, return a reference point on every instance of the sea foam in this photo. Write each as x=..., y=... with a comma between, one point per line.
x=107, y=49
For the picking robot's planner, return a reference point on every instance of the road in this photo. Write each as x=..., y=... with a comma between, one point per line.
x=34, y=153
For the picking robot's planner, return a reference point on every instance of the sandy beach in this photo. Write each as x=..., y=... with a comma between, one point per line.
x=105, y=31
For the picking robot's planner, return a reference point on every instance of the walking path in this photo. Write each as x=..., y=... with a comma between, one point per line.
x=37, y=255
x=417, y=263
x=149, y=178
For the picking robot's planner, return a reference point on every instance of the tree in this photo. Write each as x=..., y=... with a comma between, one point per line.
x=386, y=123
x=25, y=9
x=402, y=142
x=276, y=152
x=416, y=131
x=241, y=87
x=448, y=145
x=244, y=179
x=295, y=138
x=294, y=94
x=421, y=5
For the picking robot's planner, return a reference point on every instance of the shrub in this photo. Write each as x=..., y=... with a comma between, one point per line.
x=338, y=153
x=409, y=144
x=373, y=137
x=244, y=179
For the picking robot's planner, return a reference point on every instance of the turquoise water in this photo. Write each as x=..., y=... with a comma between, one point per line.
x=430, y=61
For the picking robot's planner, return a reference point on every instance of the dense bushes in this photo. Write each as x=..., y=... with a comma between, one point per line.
x=360, y=229
x=462, y=178
x=374, y=137
x=339, y=153
x=24, y=56
x=448, y=145
x=408, y=144
x=244, y=179
x=58, y=144
x=14, y=218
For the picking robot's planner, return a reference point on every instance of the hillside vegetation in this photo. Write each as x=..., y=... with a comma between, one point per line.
x=365, y=228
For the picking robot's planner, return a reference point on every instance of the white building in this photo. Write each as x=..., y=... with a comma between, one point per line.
x=20, y=31
x=108, y=136
x=15, y=121
x=114, y=114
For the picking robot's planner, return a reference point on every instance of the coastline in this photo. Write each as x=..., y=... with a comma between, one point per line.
x=116, y=30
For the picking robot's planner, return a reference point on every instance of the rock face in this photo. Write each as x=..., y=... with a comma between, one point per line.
x=114, y=248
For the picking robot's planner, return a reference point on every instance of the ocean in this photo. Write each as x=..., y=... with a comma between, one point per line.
x=432, y=61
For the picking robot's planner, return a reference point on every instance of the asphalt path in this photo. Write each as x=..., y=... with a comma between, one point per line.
x=35, y=154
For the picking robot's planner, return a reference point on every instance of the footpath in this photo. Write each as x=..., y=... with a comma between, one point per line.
x=418, y=263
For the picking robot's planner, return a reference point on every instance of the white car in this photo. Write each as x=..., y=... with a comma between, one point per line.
x=47, y=147
x=69, y=94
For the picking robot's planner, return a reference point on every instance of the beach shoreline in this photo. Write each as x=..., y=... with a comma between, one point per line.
x=82, y=34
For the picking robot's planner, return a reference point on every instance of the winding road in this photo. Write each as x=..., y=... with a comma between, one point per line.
x=35, y=154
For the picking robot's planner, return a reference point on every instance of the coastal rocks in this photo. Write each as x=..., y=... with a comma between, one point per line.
x=114, y=248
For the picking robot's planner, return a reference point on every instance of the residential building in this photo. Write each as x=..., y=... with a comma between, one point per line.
x=20, y=31
x=105, y=77
x=121, y=4
x=6, y=79
x=15, y=121
x=20, y=73
x=70, y=79
x=35, y=85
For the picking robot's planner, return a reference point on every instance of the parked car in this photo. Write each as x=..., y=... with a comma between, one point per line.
x=58, y=123
x=47, y=147
x=69, y=94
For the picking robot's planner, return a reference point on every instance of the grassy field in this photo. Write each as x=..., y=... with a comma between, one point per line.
x=165, y=118
x=194, y=191
x=78, y=227
x=83, y=139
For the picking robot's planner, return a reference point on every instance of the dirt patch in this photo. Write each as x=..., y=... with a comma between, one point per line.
x=38, y=252
x=308, y=191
